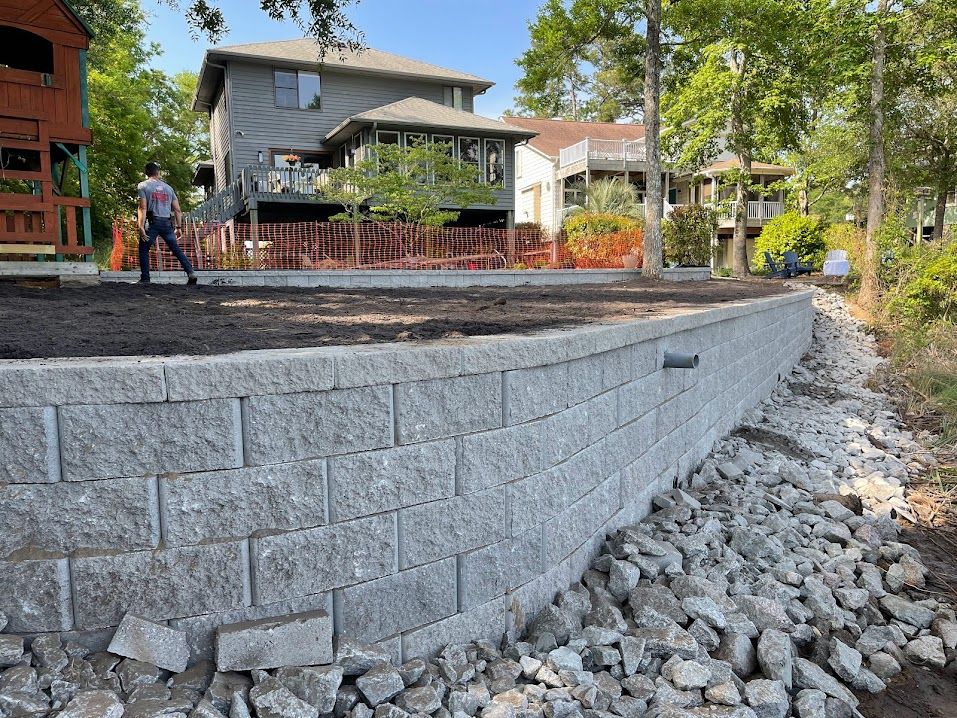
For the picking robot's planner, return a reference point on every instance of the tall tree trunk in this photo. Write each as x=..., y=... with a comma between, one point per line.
x=940, y=210
x=876, y=164
x=740, y=266
x=804, y=201
x=652, y=261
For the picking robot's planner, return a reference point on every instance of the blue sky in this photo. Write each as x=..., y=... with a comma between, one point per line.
x=483, y=37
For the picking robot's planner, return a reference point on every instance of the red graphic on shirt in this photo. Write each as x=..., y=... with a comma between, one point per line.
x=159, y=196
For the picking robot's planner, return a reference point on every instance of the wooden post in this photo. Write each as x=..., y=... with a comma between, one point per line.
x=254, y=231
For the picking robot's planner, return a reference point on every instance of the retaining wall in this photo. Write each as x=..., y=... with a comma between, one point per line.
x=421, y=494
x=398, y=278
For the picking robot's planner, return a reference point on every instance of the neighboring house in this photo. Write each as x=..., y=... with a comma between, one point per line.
x=553, y=168
x=270, y=101
x=929, y=206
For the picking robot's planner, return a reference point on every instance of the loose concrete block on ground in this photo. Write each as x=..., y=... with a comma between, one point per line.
x=375, y=481
x=378, y=609
x=110, y=441
x=151, y=642
x=316, y=424
x=29, y=448
x=240, y=502
x=439, y=408
x=302, y=563
x=303, y=639
x=158, y=585
x=112, y=514
x=445, y=528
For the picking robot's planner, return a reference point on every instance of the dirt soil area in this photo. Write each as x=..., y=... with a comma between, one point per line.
x=129, y=319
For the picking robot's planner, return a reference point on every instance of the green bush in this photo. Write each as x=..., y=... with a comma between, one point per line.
x=585, y=224
x=687, y=235
x=792, y=232
x=926, y=289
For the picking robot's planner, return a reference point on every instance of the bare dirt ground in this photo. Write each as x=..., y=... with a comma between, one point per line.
x=126, y=319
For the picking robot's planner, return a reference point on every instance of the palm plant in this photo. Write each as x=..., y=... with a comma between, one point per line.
x=612, y=196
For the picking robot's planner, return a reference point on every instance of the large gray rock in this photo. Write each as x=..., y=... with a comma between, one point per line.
x=664, y=642
x=151, y=642
x=844, y=660
x=94, y=704
x=11, y=650
x=299, y=639
x=775, y=656
x=380, y=684
x=737, y=650
x=876, y=638
x=926, y=650
x=704, y=609
x=811, y=675
x=688, y=675
x=273, y=700
x=316, y=685
x=768, y=699
x=907, y=611
x=810, y=703
x=356, y=658
x=559, y=622
x=765, y=613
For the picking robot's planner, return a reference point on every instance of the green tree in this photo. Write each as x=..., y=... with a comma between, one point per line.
x=420, y=184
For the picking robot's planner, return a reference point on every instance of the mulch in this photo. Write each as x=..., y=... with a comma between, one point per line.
x=128, y=319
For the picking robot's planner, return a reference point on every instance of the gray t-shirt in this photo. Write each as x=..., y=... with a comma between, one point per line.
x=159, y=197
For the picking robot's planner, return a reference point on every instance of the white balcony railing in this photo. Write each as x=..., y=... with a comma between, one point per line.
x=615, y=150
x=759, y=210
x=295, y=181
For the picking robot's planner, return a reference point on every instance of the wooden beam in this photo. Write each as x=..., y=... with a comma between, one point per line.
x=27, y=249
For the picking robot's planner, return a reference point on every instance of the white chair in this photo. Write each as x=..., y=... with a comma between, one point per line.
x=836, y=264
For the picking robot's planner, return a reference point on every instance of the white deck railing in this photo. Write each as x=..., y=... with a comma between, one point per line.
x=615, y=150
x=760, y=210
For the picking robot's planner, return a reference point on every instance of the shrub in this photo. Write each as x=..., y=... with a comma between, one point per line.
x=597, y=251
x=792, y=232
x=592, y=223
x=687, y=234
x=927, y=290
x=613, y=196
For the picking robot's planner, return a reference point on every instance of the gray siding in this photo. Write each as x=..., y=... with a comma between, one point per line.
x=219, y=137
x=266, y=126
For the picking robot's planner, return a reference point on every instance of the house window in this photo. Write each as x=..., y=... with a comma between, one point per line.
x=297, y=89
x=414, y=139
x=470, y=153
x=495, y=162
x=228, y=166
x=387, y=138
x=453, y=97
x=447, y=142
x=306, y=160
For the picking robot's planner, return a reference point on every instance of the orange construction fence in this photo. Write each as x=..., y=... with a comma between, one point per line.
x=334, y=245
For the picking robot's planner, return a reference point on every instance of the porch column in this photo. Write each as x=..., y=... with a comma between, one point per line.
x=667, y=187
x=254, y=231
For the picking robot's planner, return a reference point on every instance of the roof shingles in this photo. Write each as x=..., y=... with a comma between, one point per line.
x=553, y=135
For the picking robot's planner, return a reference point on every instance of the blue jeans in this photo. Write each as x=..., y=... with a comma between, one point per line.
x=160, y=227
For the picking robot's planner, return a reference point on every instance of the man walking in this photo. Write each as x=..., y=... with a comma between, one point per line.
x=154, y=217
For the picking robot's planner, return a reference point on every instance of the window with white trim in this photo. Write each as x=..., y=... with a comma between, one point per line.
x=470, y=153
x=495, y=163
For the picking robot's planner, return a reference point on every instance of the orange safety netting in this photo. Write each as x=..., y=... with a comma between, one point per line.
x=332, y=245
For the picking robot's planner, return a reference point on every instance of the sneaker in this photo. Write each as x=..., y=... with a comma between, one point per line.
x=144, y=281
x=190, y=280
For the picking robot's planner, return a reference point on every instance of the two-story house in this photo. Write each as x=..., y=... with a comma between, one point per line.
x=554, y=167
x=280, y=118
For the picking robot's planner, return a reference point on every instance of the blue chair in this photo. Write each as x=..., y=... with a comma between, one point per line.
x=774, y=271
x=793, y=265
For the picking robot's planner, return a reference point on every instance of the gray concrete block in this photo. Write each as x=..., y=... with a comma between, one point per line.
x=160, y=584
x=112, y=514
x=302, y=563
x=524, y=603
x=585, y=378
x=303, y=639
x=317, y=424
x=151, y=642
x=392, y=364
x=568, y=432
x=35, y=595
x=640, y=396
x=29, y=449
x=644, y=358
x=250, y=373
x=569, y=529
x=496, y=457
x=375, y=481
x=240, y=502
x=446, y=407
x=110, y=441
x=378, y=609
x=491, y=571
x=627, y=444
x=58, y=382
x=618, y=367
x=201, y=630
x=486, y=621
x=445, y=528
x=535, y=392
